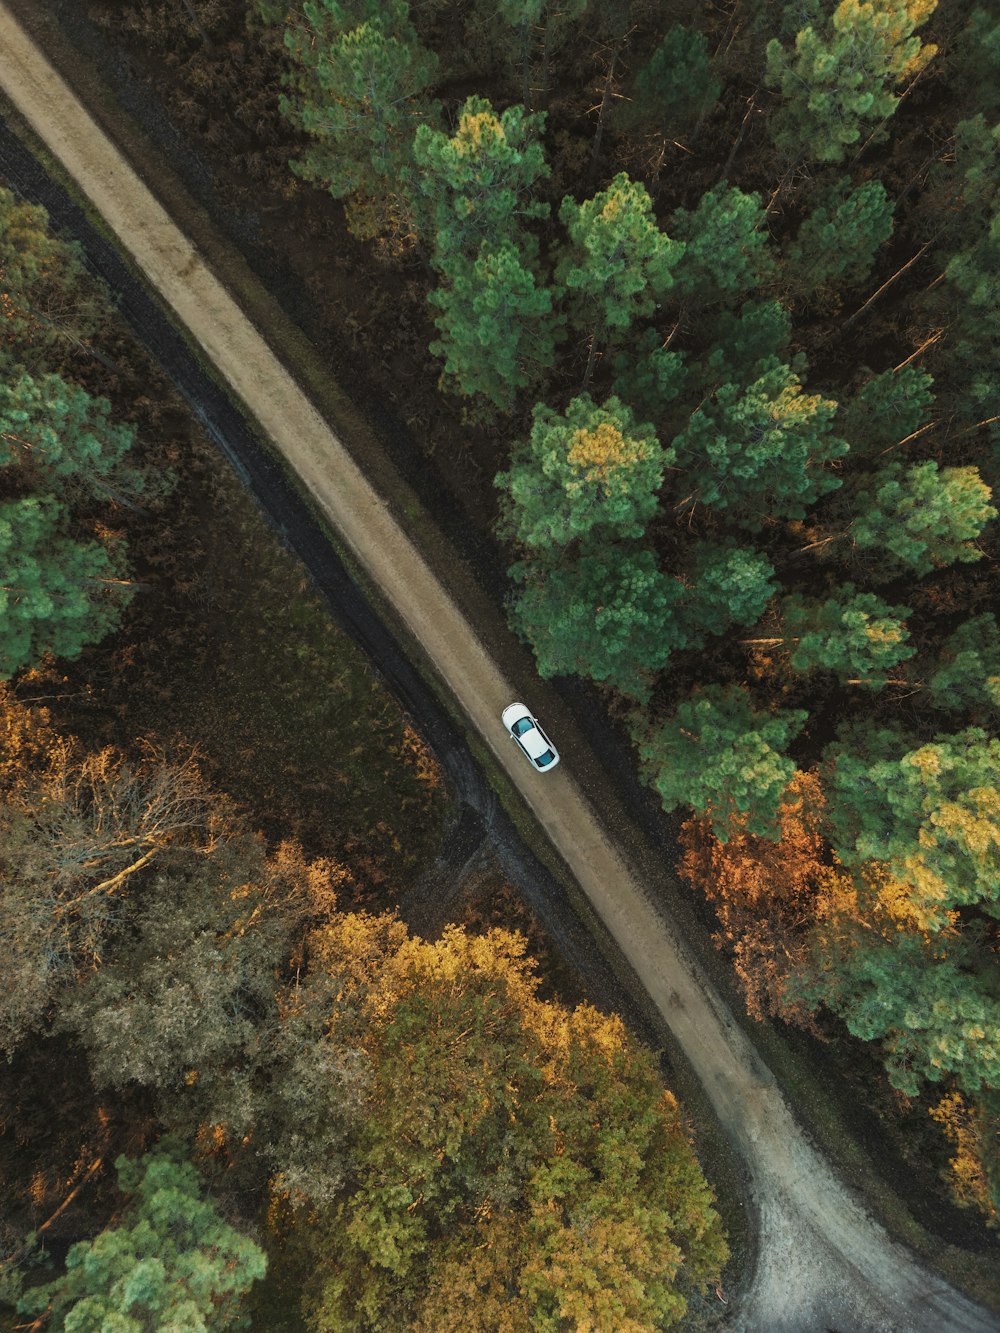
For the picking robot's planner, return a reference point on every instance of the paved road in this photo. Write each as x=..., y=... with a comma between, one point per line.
x=823, y=1263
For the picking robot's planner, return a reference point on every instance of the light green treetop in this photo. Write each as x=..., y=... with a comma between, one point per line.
x=730, y=585
x=62, y=441
x=589, y=467
x=838, y=81
x=926, y=999
x=478, y=185
x=760, y=449
x=922, y=517
x=930, y=812
x=854, y=634
x=171, y=1264
x=617, y=263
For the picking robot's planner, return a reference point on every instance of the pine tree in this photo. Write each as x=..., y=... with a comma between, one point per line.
x=57, y=594
x=171, y=1263
x=617, y=263
x=973, y=271
x=730, y=585
x=725, y=251
x=479, y=185
x=760, y=450
x=648, y=376
x=498, y=331
x=921, y=517
x=475, y=198
x=886, y=410
x=587, y=468
x=927, y=998
x=362, y=79
x=610, y=616
x=677, y=86
x=61, y=441
x=718, y=755
x=968, y=673
x=930, y=813
x=839, y=81
x=838, y=241
x=854, y=634
x=978, y=63
x=748, y=344
x=46, y=293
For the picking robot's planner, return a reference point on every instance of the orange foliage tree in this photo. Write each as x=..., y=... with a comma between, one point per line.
x=766, y=895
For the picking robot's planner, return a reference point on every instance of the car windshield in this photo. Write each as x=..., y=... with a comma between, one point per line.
x=545, y=758
x=522, y=725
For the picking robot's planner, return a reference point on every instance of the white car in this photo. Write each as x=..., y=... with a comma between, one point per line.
x=524, y=728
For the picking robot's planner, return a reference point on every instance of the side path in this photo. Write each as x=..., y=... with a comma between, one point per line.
x=824, y=1264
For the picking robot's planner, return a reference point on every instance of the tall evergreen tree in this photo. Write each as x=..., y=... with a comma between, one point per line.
x=854, y=634
x=57, y=594
x=930, y=812
x=725, y=251
x=171, y=1263
x=886, y=410
x=719, y=755
x=497, y=326
x=921, y=517
x=760, y=450
x=57, y=439
x=649, y=376
x=925, y=996
x=587, y=468
x=617, y=263
x=839, y=239
x=730, y=585
x=479, y=184
x=611, y=616
x=968, y=670
x=475, y=196
x=362, y=79
x=677, y=86
x=840, y=79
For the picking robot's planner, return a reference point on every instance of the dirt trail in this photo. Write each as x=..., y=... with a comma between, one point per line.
x=823, y=1263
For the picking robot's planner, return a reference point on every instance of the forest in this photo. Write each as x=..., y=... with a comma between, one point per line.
x=257, y=1096
x=698, y=310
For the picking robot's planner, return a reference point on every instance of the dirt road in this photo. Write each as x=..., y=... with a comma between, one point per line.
x=823, y=1263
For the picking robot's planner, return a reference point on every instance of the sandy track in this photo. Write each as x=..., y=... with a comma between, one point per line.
x=823, y=1263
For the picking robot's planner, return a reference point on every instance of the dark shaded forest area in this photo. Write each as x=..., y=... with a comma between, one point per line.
x=697, y=308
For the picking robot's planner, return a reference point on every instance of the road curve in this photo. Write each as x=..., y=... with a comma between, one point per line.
x=824, y=1264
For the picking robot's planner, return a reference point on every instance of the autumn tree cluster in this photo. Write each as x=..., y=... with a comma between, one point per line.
x=418, y=1139
x=742, y=365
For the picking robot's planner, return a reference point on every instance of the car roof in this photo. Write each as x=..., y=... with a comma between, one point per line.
x=534, y=742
